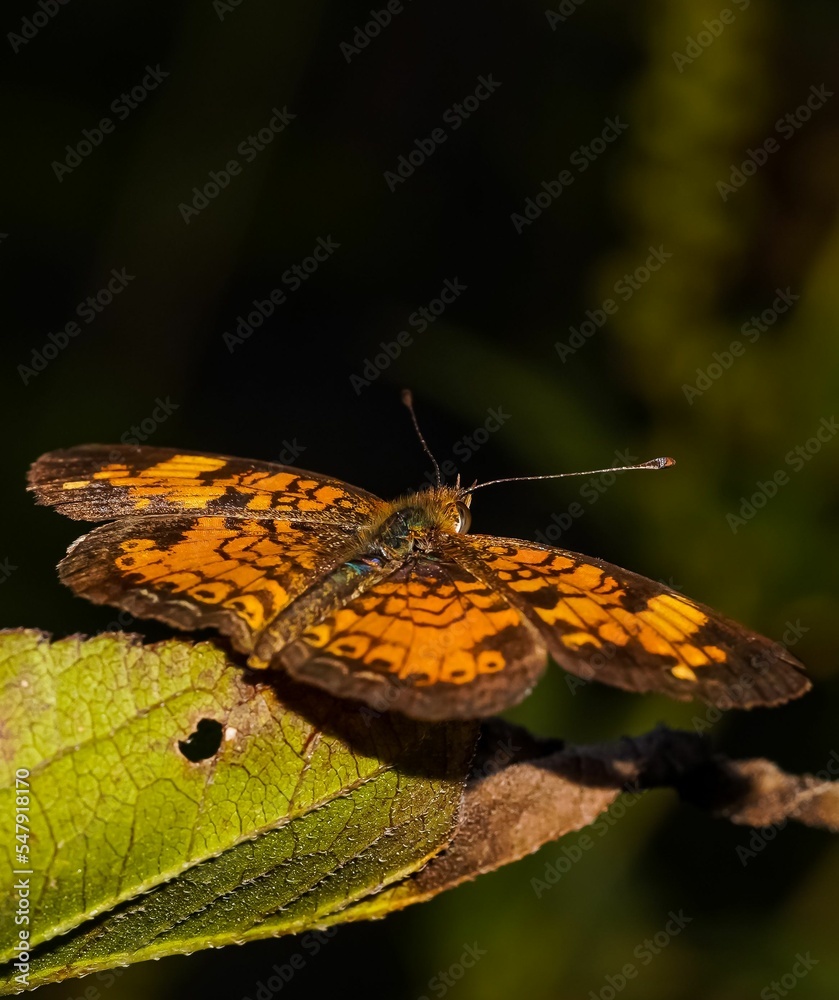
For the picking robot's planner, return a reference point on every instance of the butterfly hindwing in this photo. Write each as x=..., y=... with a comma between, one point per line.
x=231, y=573
x=604, y=623
x=429, y=640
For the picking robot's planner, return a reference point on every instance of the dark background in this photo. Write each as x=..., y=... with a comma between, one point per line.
x=622, y=390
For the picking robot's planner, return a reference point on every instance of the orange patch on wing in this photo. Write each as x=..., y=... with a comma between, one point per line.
x=389, y=654
x=328, y=495
x=305, y=504
x=111, y=472
x=524, y=585
x=183, y=467
x=248, y=607
x=684, y=673
x=350, y=645
x=586, y=577
x=677, y=609
x=577, y=640
x=490, y=660
x=459, y=667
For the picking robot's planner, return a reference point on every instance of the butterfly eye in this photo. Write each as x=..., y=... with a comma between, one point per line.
x=462, y=517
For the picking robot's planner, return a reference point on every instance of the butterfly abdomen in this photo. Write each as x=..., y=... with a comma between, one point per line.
x=334, y=590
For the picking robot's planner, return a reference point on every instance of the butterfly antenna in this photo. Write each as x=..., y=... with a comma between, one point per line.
x=408, y=400
x=654, y=463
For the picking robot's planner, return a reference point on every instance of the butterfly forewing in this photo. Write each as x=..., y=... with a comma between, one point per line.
x=199, y=540
x=100, y=482
x=604, y=623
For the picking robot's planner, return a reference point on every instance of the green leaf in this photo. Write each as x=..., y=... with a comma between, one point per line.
x=308, y=805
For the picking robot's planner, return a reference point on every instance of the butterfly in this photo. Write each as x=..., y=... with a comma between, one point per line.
x=393, y=604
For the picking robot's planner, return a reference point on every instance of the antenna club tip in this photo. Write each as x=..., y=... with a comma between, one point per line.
x=664, y=462
x=407, y=397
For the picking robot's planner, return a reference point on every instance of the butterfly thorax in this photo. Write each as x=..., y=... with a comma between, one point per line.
x=412, y=527
x=413, y=523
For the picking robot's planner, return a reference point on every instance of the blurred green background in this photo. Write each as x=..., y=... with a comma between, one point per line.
x=713, y=163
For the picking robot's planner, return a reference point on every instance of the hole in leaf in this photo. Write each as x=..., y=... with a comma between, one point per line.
x=204, y=742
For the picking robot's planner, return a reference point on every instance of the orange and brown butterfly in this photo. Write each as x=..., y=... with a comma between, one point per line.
x=390, y=603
